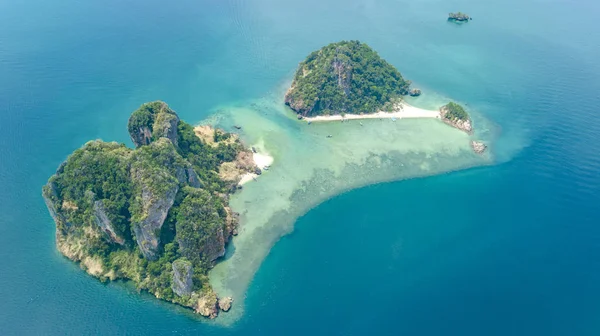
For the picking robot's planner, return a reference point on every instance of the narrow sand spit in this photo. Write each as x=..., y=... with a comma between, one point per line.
x=402, y=111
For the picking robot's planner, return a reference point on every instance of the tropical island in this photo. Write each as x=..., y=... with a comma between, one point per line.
x=459, y=17
x=345, y=77
x=156, y=215
x=349, y=80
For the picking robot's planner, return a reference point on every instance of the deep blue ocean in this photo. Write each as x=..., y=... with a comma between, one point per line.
x=511, y=248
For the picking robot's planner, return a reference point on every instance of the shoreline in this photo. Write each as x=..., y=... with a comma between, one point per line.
x=403, y=111
x=261, y=160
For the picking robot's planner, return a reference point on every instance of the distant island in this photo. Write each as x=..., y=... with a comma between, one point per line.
x=157, y=215
x=345, y=77
x=459, y=17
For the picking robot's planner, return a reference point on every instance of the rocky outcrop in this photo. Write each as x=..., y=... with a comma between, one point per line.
x=478, y=147
x=225, y=303
x=461, y=124
x=141, y=136
x=193, y=179
x=458, y=17
x=155, y=208
x=182, y=277
x=231, y=223
x=51, y=199
x=415, y=92
x=153, y=121
x=299, y=105
x=165, y=125
x=207, y=305
x=101, y=218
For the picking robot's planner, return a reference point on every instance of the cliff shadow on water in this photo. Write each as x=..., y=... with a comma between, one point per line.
x=313, y=162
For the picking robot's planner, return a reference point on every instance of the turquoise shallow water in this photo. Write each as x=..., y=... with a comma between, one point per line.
x=510, y=248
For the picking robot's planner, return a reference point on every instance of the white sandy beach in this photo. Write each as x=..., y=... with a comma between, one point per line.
x=261, y=160
x=404, y=111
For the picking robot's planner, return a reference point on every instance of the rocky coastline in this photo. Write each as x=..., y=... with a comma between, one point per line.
x=157, y=215
x=462, y=124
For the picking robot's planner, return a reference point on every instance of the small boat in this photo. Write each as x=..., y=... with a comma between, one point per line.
x=393, y=119
x=330, y=136
x=237, y=127
x=309, y=122
x=266, y=168
x=253, y=150
x=361, y=123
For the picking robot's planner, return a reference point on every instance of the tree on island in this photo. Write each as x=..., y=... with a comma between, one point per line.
x=455, y=112
x=345, y=77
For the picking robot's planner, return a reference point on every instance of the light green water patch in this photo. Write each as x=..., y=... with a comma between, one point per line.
x=310, y=167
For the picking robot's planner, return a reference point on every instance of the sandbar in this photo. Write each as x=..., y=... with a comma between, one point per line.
x=402, y=110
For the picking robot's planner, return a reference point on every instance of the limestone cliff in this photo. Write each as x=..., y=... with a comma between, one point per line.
x=153, y=121
x=182, y=277
x=156, y=215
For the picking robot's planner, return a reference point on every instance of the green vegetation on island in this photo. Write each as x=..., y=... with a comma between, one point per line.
x=455, y=112
x=455, y=115
x=345, y=77
x=157, y=215
x=458, y=17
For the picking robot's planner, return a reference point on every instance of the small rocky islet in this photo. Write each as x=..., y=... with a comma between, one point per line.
x=459, y=17
x=157, y=215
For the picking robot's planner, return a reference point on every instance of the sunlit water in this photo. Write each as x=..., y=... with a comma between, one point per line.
x=311, y=167
x=504, y=244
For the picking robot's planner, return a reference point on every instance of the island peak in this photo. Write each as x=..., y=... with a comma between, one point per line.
x=345, y=77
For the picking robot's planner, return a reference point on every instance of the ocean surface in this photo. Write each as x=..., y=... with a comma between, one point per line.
x=447, y=244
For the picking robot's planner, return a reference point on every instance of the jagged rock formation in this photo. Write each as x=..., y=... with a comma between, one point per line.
x=153, y=121
x=225, y=303
x=415, y=92
x=345, y=77
x=101, y=217
x=478, y=147
x=156, y=215
x=182, y=277
x=458, y=17
x=456, y=116
x=207, y=305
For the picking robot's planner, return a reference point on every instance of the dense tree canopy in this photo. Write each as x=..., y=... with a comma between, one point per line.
x=345, y=77
x=455, y=112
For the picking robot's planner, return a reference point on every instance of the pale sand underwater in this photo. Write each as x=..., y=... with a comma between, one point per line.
x=309, y=167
